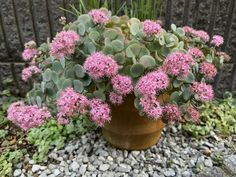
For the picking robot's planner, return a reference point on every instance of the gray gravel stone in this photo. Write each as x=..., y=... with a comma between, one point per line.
x=35, y=168
x=82, y=169
x=17, y=172
x=104, y=167
x=74, y=166
x=230, y=163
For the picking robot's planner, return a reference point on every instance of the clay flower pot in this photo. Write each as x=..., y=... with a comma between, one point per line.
x=128, y=130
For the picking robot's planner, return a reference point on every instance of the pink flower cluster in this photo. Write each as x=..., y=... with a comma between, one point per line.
x=203, y=91
x=29, y=53
x=208, y=70
x=152, y=83
x=151, y=27
x=197, y=33
x=201, y=34
x=217, y=40
x=99, y=65
x=187, y=29
x=98, y=16
x=99, y=112
x=28, y=72
x=151, y=106
x=178, y=64
x=225, y=56
x=115, y=98
x=64, y=44
x=172, y=112
x=195, y=52
x=69, y=103
x=122, y=84
x=193, y=114
x=27, y=117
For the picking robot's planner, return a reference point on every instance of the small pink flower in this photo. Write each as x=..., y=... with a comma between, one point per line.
x=203, y=91
x=217, y=40
x=187, y=29
x=29, y=53
x=115, y=98
x=27, y=117
x=151, y=27
x=178, y=64
x=195, y=52
x=122, y=84
x=61, y=120
x=224, y=55
x=69, y=103
x=98, y=16
x=193, y=114
x=208, y=70
x=152, y=83
x=28, y=72
x=99, y=112
x=171, y=112
x=64, y=44
x=201, y=34
x=151, y=107
x=99, y=65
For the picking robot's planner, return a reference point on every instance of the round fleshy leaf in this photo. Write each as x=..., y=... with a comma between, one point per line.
x=86, y=80
x=117, y=45
x=115, y=19
x=54, y=76
x=147, y=61
x=81, y=29
x=136, y=70
x=57, y=67
x=180, y=32
x=79, y=71
x=190, y=78
x=99, y=94
x=108, y=50
x=94, y=35
x=111, y=34
x=120, y=58
x=134, y=28
x=47, y=75
x=175, y=96
x=135, y=50
x=78, y=85
x=66, y=83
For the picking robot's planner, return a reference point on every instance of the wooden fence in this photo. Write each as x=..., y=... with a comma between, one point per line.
x=24, y=20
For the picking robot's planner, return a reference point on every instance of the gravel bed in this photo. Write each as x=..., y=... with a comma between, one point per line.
x=174, y=155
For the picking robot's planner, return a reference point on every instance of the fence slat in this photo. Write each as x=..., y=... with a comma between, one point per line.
x=186, y=12
x=168, y=14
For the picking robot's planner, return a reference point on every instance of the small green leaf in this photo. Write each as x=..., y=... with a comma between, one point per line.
x=47, y=75
x=190, y=78
x=147, y=61
x=78, y=85
x=136, y=70
x=66, y=83
x=177, y=83
x=134, y=28
x=99, y=94
x=63, y=62
x=81, y=29
x=175, y=96
x=79, y=71
x=117, y=45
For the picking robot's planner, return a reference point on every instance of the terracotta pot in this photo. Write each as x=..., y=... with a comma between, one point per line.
x=128, y=130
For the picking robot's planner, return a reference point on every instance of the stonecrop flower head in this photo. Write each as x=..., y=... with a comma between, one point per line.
x=188, y=29
x=99, y=111
x=224, y=55
x=208, y=70
x=99, y=65
x=122, y=84
x=152, y=83
x=171, y=112
x=28, y=72
x=115, y=98
x=27, y=117
x=151, y=106
x=151, y=27
x=29, y=53
x=193, y=114
x=178, y=64
x=195, y=52
x=201, y=34
x=69, y=103
x=64, y=44
x=202, y=91
x=98, y=16
x=217, y=40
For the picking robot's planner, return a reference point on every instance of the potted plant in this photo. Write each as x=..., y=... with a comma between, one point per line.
x=129, y=77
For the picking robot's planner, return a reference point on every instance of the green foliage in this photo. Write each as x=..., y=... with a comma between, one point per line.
x=218, y=116
x=8, y=159
x=51, y=135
